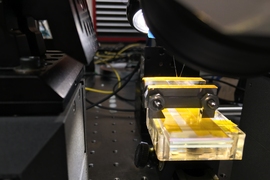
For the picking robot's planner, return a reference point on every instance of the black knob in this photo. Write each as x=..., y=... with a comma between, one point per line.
x=142, y=155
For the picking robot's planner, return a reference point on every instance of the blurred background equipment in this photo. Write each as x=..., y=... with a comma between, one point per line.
x=42, y=117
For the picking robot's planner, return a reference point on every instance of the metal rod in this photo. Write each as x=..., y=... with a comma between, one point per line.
x=236, y=111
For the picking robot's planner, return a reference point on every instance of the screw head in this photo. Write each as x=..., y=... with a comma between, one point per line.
x=211, y=103
x=156, y=102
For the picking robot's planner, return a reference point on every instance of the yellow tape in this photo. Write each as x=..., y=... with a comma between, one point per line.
x=191, y=121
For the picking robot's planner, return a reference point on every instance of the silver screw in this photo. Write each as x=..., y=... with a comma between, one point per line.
x=157, y=104
x=211, y=103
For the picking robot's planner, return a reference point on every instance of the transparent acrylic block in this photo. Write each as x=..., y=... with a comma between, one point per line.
x=184, y=136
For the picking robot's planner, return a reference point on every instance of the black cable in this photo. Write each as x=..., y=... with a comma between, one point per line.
x=122, y=79
x=119, y=89
x=108, y=108
x=129, y=101
x=116, y=84
x=121, y=97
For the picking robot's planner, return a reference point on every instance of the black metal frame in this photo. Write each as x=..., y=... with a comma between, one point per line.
x=46, y=147
x=45, y=92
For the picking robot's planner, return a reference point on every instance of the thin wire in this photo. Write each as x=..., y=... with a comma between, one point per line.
x=106, y=55
x=175, y=69
x=106, y=58
x=116, y=74
x=182, y=70
x=108, y=108
x=119, y=89
x=116, y=55
x=128, y=47
x=98, y=90
x=103, y=91
x=120, y=97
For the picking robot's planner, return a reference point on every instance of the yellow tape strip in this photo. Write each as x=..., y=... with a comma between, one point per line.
x=202, y=127
x=169, y=122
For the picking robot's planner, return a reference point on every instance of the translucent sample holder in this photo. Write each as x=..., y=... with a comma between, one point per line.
x=184, y=136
